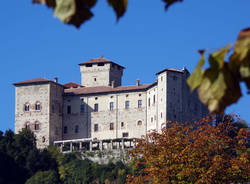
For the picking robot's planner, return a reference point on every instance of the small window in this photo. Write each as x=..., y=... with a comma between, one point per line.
x=68, y=109
x=161, y=114
x=122, y=124
x=38, y=107
x=154, y=99
x=76, y=129
x=88, y=65
x=161, y=78
x=140, y=94
x=53, y=108
x=95, y=79
x=127, y=104
x=43, y=139
x=96, y=98
x=152, y=119
x=65, y=130
x=82, y=107
x=96, y=107
x=27, y=126
x=95, y=127
x=36, y=126
x=27, y=107
x=139, y=103
x=111, y=126
x=139, y=122
x=149, y=102
x=125, y=134
x=111, y=106
x=100, y=64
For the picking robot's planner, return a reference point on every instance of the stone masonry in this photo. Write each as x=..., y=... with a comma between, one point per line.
x=100, y=107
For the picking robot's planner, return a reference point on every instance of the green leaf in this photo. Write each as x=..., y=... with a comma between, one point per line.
x=217, y=59
x=119, y=6
x=74, y=11
x=195, y=79
x=170, y=2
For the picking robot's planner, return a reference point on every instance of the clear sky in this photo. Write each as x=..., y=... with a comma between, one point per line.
x=146, y=40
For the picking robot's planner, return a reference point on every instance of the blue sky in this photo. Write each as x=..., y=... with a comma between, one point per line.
x=146, y=40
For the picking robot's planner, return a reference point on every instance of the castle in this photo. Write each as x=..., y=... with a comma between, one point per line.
x=100, y=107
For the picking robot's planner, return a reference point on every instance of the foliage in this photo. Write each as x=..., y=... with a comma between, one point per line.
x=21, y=158
x=76, y=12
x=44, y=177
x=21, y=162
x=193, y=153
x=219, y=85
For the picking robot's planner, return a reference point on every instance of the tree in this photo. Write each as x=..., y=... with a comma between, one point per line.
x=44, y=177
x=193, y=153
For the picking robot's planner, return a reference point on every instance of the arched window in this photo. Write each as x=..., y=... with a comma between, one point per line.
x=26, y=107
x=37, y=106
x=139, y=122
x=27, y=125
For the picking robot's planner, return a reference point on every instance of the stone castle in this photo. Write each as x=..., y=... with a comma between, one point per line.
x=100, y=107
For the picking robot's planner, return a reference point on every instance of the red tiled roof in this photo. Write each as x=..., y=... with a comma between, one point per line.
x=32, y=81
x=99, y=60
x=71, y=85
x=105, y=89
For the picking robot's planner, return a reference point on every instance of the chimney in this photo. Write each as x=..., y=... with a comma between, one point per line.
x=137, y=82
x=56, y=80
x=156, y=80
x=113, y=84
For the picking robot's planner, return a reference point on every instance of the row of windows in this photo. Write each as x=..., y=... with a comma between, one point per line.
x=111, y=106
x=76, y=130
x=111, y=125
x=37, y=107
x=35, y=126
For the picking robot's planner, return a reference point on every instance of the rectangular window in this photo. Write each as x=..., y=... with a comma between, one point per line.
x=65, y=130
x=125, y=134
x=111, y=106
x=122, y=124
x=76, y=129
x=96, y=108
x=68, y=109
x=149, y=102
x=27, y=107
x=82, y=107
x=139, y=103
x=111, y=126
x=37, y=107
x=154, y=99
x=95, y=127
x=127, y=104
x=36, y=126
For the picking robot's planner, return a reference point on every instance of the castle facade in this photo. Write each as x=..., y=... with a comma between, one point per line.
x=100, y=107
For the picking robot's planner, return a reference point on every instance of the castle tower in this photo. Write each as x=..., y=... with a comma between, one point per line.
x=100, y=72
x=38, y=107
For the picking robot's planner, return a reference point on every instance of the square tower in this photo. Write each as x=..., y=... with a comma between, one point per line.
x=101, y=72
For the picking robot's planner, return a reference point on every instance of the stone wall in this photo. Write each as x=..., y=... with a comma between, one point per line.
x=96, y=75
x=32, y=94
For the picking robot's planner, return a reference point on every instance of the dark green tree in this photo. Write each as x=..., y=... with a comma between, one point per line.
x=44, y=177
